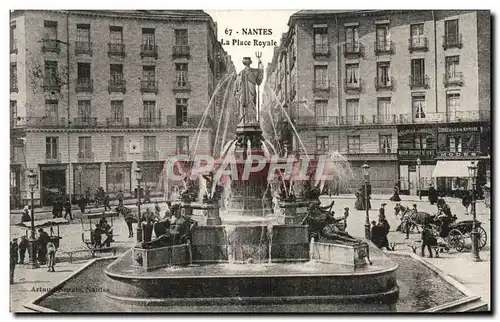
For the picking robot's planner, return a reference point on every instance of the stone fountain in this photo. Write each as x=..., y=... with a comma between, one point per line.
x=271, y=260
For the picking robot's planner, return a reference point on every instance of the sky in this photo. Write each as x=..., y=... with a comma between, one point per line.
x=234, y=21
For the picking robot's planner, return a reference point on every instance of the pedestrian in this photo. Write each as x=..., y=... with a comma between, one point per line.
x=87, y=195
x=147, y=196
x=51, y=256
x=67, y=210
x=13, y=255
x=433, y=194
x=119, y=196
x=385, y=227
x=395, y=195
x=428, y=240
x=26, y=214
x=82, y=204
x=382, y=209
x=106, y=202
x=23, y=247
x=16, y=248
x=43, y=239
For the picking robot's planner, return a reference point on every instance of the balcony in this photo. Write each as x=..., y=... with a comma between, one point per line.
x=418, y=44
x=182, y=86
x=118, y=156
x=117, y=85
x=13, y=46
x=85, y=156
x=384, y=83
x=419, y=82
x=40, y=122
x=384, y=48
x=353, y=49
x=453, y=79
x=84, y=84
x=51, y=158
x=352, y=86
x=444, y=117
x=384, y=119
x=378, y=156
x=117, y=123
x=83, y=48
x=116, y=50
x=187, y=121
x=149, y=86
x=321, y=50
x=51, y=85
x=352, y=120
x=84, y=122
x=454, y=41
x=149, y=51
x=319, y=86
x=50, y=46
x=180, y=51
x=13, y=87
x=148, y=122
x=150, y=155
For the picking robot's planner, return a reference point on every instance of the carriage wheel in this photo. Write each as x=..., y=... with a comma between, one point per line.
x=456, y=240
x=482, y=237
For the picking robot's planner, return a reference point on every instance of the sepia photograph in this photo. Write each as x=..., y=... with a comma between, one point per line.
x=250, y=161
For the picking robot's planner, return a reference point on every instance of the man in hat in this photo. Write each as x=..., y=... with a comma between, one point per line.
x=382, y=209
x=245, y=91
x=15, y=245
x=384, y=231
x=428, y=239
x=433, y=194
x=23, y=247
x=43, y=239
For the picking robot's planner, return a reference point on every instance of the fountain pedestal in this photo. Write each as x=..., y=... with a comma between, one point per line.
x=292, y=212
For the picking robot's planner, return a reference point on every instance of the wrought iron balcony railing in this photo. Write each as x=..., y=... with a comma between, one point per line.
x=181, y=51
x=40, y=122
x=420, y=81
x=418, y=44
x=452, y=41
x=149, y=122
x=384, y=47
x=182, y=86
x=118, y=156
x=353, y=49
x=149, y=86
x=453, y=79
x=50, y=45
x=51, y=85
x=384, y=119
x=113, y=122
x=84, y=84
x=117, y=85
x=149, y=51
x=352, y=85
x=84, y=122
x=86, y=156
x=384, y=83
x=321, y=50
x=322, y=85
x=83, y=48
x=150, y=155
x=116, y=49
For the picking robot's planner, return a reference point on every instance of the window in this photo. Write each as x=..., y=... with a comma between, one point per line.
x=181, y=37
x=382, y=43
x=453, y=103
x=455, y=143
x=116, y=71
x=417, y=35
x=116, y=35
x=13, y=77
x=51, y=147
x=148, y=73
x=320, y=110
x=84, y=110
x=352, y=39
x=182, y=143
x=83, y=73
x=353, y=145
x=148, y=38
x=13, y=38
x=51, y=110
x=352, y=75
x=352, y=107
x=321, y=40
x=13, y=111
x=451, y=63
x=322, y=144
x=83, y=33
x=321, y=76
x=181, y=107
x=181, y=71
x=385, y=143
x=85, y=146
x=149, y=111
x=50, y=30
x=418, y=103
x=51, y=78
x=420, y=141
x=117, y=146
x=117, y=111
x=417, y=72
x=451, y=33
x=383, y=76
x=384, y=108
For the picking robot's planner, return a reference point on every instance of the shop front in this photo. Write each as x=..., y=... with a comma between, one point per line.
x=152, y=176
x=86, y=178
x=118, y=178
x=53, y=183
x=458, y=147
x=417, y=158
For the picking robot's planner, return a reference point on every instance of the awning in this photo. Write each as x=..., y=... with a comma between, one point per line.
x=453, y=168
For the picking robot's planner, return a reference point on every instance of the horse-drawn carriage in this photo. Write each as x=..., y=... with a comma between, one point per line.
x=461, y=231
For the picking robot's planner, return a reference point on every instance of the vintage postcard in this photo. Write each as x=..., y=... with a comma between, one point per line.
x=245, y=161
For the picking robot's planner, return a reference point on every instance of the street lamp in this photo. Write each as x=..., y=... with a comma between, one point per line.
x=80, y=170
x=419, y=162
x=33, y=263
x=367, y=219
x=138, y=177
x=474, y=234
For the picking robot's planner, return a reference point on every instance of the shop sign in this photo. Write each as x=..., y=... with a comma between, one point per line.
x=459, y=129
x=404, y=132
x=416, y=153
x=459, y=154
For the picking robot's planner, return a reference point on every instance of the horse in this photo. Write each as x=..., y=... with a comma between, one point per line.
x=410, y=220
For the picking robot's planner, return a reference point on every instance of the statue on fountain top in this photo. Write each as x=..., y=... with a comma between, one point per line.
x=246, y=91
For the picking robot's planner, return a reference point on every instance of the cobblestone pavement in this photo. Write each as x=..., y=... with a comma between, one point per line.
x=458, y=265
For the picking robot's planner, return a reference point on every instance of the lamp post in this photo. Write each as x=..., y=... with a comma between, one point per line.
x=80, y=170
x=33, y=263
x=419, y=162
x=138, y=177
x=367, y=218
x=474, y=234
